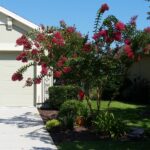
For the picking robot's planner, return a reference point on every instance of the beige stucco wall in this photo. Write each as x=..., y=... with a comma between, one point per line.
x=9, y=36
x=141, y=68
x=13, y=93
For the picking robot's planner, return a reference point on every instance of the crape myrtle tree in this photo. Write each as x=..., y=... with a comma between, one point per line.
x=73, y=58
x=51, y=48
x=118, y=46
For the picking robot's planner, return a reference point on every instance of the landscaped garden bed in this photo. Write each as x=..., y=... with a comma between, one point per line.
x=133, y=114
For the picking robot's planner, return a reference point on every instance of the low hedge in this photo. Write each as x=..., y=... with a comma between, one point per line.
x=59, y=94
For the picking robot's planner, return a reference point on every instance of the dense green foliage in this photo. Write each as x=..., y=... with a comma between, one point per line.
x=69, y=110
x=59, y=94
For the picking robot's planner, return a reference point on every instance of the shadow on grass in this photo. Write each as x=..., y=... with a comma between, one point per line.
x=137, y=117
x=106, y=145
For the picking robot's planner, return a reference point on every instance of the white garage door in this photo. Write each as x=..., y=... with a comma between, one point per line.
x=12, y=93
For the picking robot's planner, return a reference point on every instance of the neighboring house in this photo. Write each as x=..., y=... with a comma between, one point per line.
x=12, y=93
x=140, y=69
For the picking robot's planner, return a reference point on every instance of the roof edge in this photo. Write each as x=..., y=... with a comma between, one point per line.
x=18, y=18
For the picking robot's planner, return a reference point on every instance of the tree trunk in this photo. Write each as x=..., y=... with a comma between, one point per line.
x=99, y=95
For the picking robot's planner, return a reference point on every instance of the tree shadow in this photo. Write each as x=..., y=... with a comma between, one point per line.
x=32, y=128
x=138, y=117
x=25, y=120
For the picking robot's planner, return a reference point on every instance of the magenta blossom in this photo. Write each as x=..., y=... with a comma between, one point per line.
x=17, y=76
x=147, y=30
x=120, y=26
x=104, y=8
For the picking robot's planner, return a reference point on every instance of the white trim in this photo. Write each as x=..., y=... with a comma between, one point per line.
x=18, y=18
x=9, y=23
x=39, y=91
x=10, y=47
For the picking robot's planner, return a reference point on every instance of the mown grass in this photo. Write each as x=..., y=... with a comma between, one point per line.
x=134, y=115
x=105, y=145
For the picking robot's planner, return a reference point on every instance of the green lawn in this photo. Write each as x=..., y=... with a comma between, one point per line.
x=105, y=145
x=134, y=115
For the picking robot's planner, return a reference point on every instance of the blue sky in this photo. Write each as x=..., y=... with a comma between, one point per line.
x=79, y=12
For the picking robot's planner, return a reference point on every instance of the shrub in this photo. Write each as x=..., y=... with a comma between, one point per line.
x=69, y=110
x=52, y=124
x=59, y=94
x=107, y=124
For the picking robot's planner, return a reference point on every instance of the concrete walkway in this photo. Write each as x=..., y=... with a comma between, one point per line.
x=21, y=128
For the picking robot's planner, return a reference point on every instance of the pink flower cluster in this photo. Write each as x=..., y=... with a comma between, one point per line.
x=120, y=26
x=117, y=35
x=66, y=69
x=60, y=64
x=70, y=29
x=17, y=76
x=128, y=51
x=61, y=61
x=104, y=8
x=58, y=39
x=102, y=33
x=127, y=41
x=34, y=52
x=22, y=56
x=23, y=41
x=87, y=47
x=58, y=74
x=147, y=30
x=37, y=80
x=44, y=70
x=40, y=37
x=81, y=94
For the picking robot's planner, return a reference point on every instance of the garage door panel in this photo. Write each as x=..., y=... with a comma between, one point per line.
x=15, y=101
x=14, y=93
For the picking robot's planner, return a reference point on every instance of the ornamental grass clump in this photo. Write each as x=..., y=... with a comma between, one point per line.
x=107, y=124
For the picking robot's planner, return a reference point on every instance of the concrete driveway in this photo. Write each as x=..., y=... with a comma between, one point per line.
x=21, y=128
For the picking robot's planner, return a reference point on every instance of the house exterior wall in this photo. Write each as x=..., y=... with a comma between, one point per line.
x=8, y=53
x=10, y=36
x=14, y=93
x=11, y=28
x=140, y=69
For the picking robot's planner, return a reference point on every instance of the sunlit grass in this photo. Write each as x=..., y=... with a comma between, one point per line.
x=132, y=114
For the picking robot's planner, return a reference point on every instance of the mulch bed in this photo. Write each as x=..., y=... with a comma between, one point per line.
x=78, y=133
